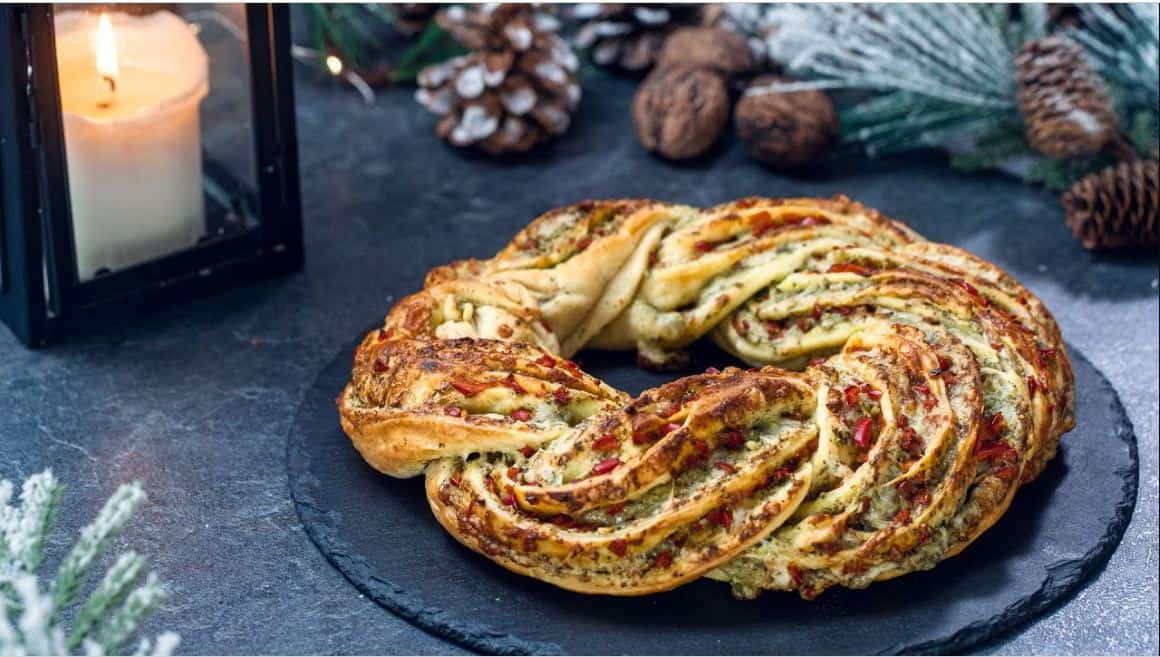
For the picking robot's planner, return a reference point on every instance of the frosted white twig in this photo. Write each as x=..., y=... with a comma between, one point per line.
x=30, y=616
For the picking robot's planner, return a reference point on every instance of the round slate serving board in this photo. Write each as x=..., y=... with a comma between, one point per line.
x=380, y=534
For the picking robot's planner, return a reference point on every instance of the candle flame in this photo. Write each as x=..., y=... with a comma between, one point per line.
x=107, y=67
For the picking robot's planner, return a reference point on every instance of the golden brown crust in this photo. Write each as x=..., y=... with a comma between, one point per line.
x=936, y=384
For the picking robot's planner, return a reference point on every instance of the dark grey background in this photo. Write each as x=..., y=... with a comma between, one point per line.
x=195, y=401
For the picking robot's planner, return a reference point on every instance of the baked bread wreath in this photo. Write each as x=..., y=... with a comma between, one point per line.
x=922, y=386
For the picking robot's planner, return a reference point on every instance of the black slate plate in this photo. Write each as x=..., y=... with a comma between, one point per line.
x=379, y=533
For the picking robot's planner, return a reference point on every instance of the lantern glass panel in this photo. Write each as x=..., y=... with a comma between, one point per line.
x=157, y=116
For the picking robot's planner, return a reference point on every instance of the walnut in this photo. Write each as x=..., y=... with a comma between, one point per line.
x=680, y=111
x=707, y=47
x=785, y=130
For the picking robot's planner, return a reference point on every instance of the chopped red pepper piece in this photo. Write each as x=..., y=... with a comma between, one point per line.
x=561, y=395
x=722, y=516
x=455, y=481
x=704, y=246
x=584, y=243
x=817, y=312
x=911, y=443
x=511, y=382
x=454, y=411
x=468, y=388
x=383, y=334
x=851, y=393
x=605, y=466
x=725, y=467
x=995, y=425
x=669, y=427
x=606, y=443
x=563, y=520
x=811, y=220
x=663, y=560
x=902, y=516
x=972, y=291
x=862, y=432
x=509, y=500
x=546, y=361
x=732, y=439
x=522, y=414
x=380, y=366
x=928, y=400
x=614, y=509
x=700, y=447
x=527, y=451
x=619, y=547
x=850, y=268
x=1032, y=386
x=872, y=392
x=513, y=472
x=761, y=222
x=795, y=574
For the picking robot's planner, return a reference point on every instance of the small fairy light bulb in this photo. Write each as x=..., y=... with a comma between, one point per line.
x=333, y=64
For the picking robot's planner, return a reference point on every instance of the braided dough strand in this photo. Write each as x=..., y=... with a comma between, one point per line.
x=902, y=391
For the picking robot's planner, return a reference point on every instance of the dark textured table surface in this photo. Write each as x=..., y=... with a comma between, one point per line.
x=195, y=401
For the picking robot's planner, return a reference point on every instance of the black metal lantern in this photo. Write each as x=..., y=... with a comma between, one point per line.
x=147, y=153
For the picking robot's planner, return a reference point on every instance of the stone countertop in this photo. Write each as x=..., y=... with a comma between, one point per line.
x=195, y=401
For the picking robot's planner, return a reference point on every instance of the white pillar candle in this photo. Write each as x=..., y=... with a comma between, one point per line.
x=130, y=90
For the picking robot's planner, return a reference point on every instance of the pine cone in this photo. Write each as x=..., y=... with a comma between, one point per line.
x=629, y=36
x=1067, y=111
x=1118, y=207
x=412, y=18
x=707, y=47
x=785, y=130
x=516, y=89
x=680, y=112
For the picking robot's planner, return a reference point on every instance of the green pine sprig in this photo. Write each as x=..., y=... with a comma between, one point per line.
x=31, y=615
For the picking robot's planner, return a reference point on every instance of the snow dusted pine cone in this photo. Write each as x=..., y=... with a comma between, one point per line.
x=1118, y=207
x=629, y=36
x=516, y=88
x=1067, y=111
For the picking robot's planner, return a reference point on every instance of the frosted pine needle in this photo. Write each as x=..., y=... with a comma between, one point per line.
x=111, y=613
x=935, y=72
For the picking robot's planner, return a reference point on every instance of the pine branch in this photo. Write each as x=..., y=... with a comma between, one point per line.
x=434, y=45
x=75, y=569
x=934, y=73
x=30, y=617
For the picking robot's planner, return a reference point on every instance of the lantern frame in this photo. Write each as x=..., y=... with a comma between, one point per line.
x=41, y=297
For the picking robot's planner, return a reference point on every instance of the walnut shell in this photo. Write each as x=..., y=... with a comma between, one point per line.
x=785, y=130
x=707, y=47
x=679, y=112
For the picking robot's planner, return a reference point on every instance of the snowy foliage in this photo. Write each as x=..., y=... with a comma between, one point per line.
x=31, y=615
x=934, y=73
x=1123, y=41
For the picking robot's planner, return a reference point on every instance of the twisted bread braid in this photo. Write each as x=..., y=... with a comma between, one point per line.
x=935, y=386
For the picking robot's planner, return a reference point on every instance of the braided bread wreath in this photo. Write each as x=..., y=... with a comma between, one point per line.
x=933, y=385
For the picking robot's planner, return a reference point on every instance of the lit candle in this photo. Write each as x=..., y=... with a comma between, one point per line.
x=130, y=90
